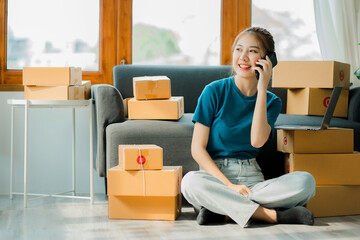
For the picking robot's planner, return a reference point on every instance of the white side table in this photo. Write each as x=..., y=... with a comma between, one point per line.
x=27, y=104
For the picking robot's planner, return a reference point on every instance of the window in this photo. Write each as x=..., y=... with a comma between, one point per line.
x=185, y=32
x=108, y=28
x=53, y=34
x=292, y=24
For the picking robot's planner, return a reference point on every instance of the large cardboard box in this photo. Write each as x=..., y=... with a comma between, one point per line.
x=172, y=108
x=332, y=140
x=335, y=201
x=165, y=182
x=54, y=92
x=154, y=87
x=327, y=169
x=140, y=157
x=314, y=101
x=52, y=76
x=148, y=208
x=312, y=74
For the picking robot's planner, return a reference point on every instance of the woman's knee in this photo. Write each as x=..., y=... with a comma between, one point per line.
x=195, y=182
x=190, y=182
x=306, y=183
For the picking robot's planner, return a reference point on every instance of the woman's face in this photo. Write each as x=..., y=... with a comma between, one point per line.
x=247, y=52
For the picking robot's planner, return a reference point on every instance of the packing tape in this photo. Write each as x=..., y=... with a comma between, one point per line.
x=142, y=169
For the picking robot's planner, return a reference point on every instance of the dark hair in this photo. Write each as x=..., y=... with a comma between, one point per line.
x=263, y=35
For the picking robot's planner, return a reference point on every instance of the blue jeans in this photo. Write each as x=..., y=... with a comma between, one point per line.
x=200, y=188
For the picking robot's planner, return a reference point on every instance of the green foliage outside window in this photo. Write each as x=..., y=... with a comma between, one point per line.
x=152, y=42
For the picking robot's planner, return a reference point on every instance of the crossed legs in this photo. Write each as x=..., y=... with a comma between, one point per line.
x=288, y=192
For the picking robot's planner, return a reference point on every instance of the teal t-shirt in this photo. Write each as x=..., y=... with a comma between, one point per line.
x=229, y=113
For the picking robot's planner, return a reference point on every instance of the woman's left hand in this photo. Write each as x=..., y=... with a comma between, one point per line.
x=242, y=189
x=265, y=73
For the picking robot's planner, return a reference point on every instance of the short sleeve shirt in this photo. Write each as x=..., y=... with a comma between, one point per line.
x=229, y=114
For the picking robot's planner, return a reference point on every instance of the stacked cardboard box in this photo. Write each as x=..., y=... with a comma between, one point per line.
x=310, y=84
x=140, y=187
x=55, y=83
x=153, y=100
x=327, y=154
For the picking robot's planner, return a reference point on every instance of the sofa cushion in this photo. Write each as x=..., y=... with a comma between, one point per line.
x=354, y=100
x=186, y=81
x=173, y=136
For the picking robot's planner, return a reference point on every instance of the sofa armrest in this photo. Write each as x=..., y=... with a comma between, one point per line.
x=354, y=104
x=108, y=109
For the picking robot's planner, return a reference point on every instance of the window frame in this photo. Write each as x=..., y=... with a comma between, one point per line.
x=116, y=17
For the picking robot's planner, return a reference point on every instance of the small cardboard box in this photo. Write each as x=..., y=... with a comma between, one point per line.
x=312, y=74
x=314, y=101
x=335, y=201
x=52, y=76
x=140, y=157
x=172, y=108
x=154, y=87
x=165, y=182
x=327, y=169
x=87, y=91
x=147, y=208
x=54, y=92
x=332, y=140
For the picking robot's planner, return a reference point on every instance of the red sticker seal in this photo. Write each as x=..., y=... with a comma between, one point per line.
x=141, y=160
x=285, y=140
x=326, y=102
x=341, y=75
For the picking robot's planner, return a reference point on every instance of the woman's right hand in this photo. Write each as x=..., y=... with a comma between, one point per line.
x=242, y=189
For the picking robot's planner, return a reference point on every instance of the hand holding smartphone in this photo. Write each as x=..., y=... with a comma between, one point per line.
x=273, y=60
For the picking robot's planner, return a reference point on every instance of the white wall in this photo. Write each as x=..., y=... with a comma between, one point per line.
x=50, y=149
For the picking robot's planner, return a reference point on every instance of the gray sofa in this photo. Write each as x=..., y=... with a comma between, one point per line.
x=113, y=128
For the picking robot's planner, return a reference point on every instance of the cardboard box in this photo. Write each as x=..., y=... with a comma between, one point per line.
x=154, y=87
x=148, y=208
x=87, y=90
x=125, y=104
x=314, y=101
x=327, y=169
x=52, y=76
x=332, y=140
x=335, y=201
x=165, y=182
x=172, y=108
x=151, y=157
x=54, y=92
x=312, y=74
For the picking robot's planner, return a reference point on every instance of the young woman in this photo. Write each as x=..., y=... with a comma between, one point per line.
x=234, y=118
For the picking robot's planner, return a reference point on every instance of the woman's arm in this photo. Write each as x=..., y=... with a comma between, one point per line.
x=202, y=157
x=260, y=128
x=200, y=154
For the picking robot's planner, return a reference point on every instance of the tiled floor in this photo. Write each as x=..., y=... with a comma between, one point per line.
x=55, y=218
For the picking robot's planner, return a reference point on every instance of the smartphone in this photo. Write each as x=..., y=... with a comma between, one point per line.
x=273, y=60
